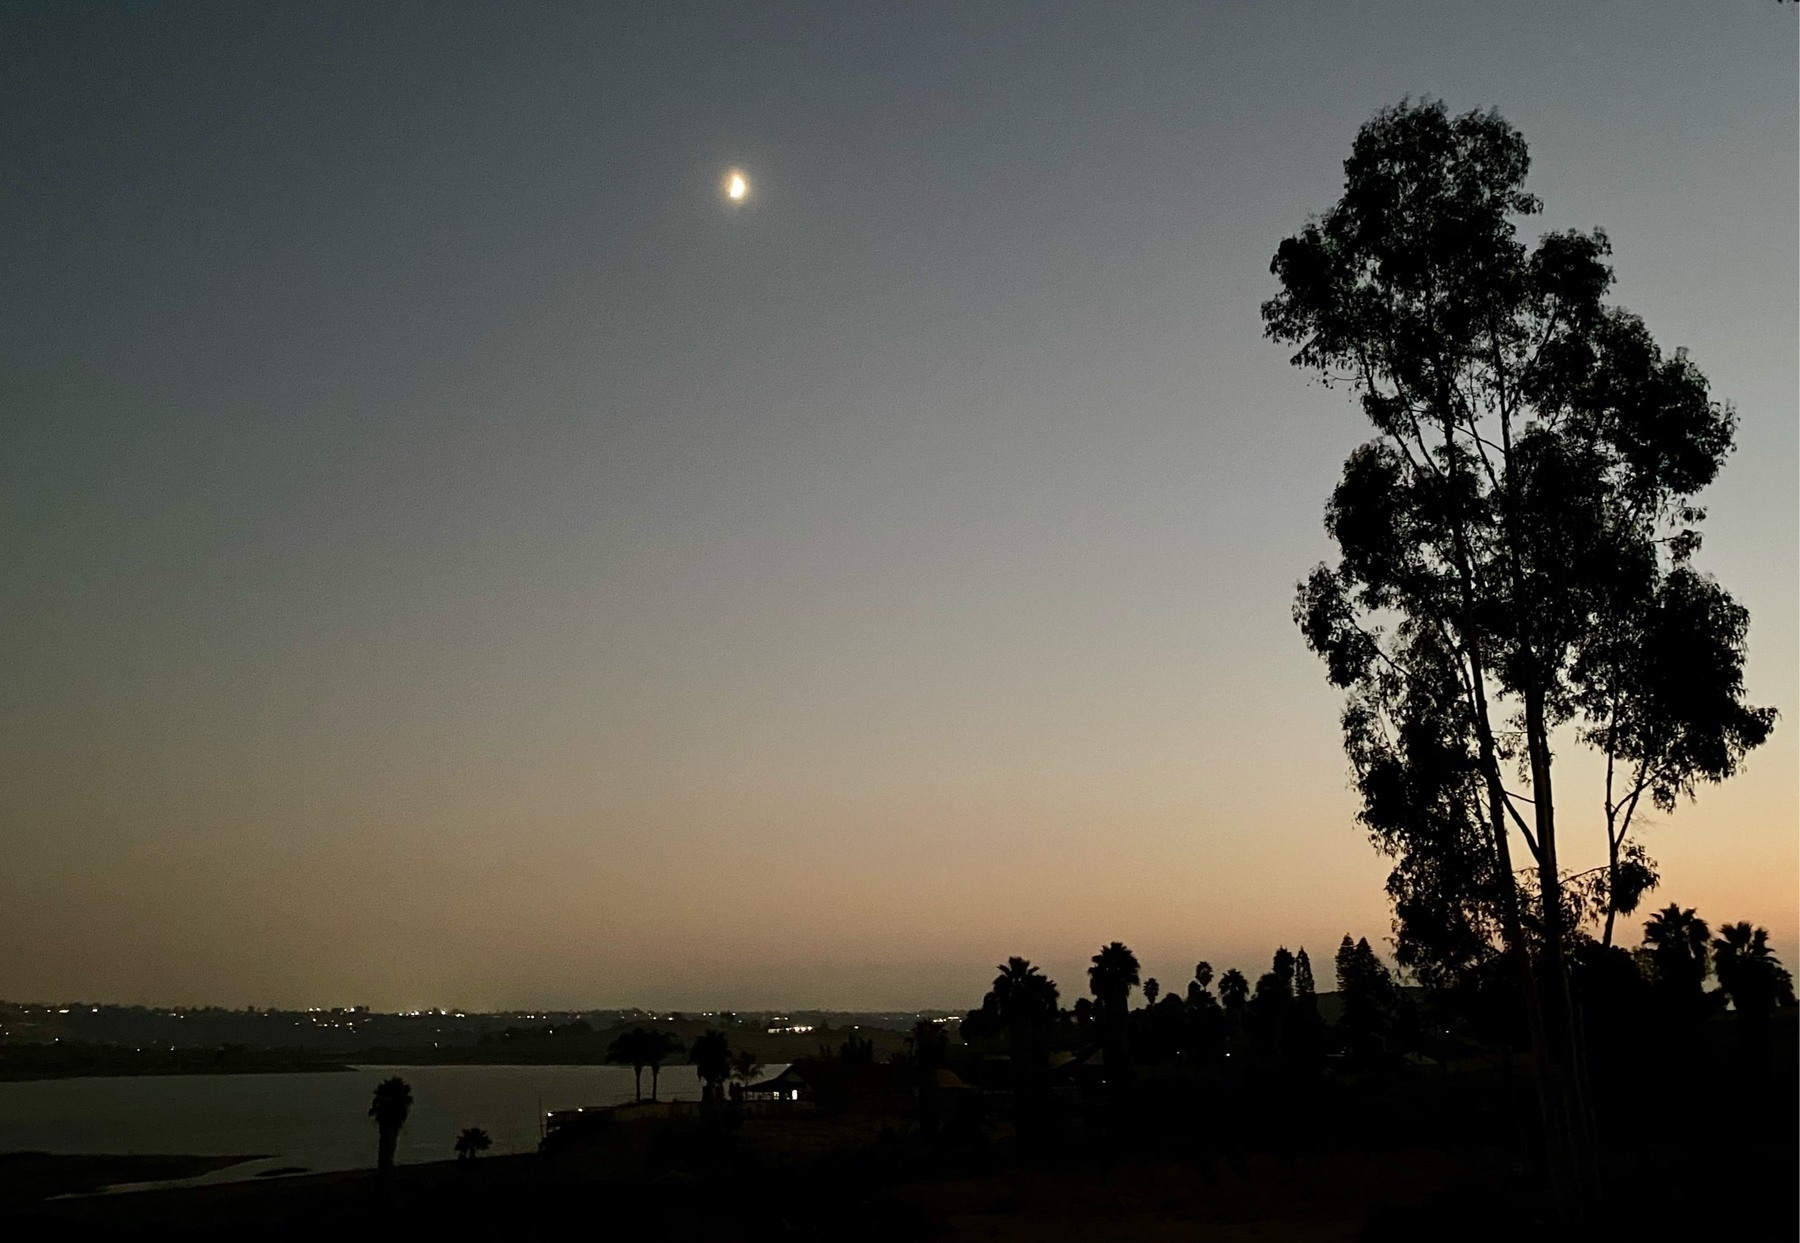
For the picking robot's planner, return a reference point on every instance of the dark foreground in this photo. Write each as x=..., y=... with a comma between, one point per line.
x=29, y=1178
x=855, y=1177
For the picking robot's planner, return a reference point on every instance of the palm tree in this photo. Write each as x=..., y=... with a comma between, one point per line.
x=631, y=1049
x=1022, y=992
x=391, y=1104
x=1233, y=989
x=744, y=1066
x=659, y=1047
x=1151, y=990
x=1677, y=940
x=1753, y=977
x=1026, y=1001
x=472, y=1142
x=1199, y=999
x=1111, y=978
x=711, y=1058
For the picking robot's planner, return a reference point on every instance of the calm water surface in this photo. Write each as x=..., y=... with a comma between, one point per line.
x=318, y=1121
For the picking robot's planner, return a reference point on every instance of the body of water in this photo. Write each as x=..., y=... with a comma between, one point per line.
x=319, y=1121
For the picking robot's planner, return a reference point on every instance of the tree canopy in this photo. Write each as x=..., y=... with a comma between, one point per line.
x=1516, y=542
x=1515, y=546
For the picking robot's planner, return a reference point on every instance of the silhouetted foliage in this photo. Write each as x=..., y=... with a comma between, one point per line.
x=1205, y=1018
x=1366, y=993
x=471, y=1143
x=1111, y=977
x=1676, y=944
x=1270, y=1002
x=1515, y=540
x=1753, y=977
x=390, y=1106
x=1083, y=1012
x=1233, y=990
x=643, y=1047
x=632, y=1049
x=661, y=1047
x=856, y=1050
x=744, y=1066
x=710, y=1055
x=1025, y=1002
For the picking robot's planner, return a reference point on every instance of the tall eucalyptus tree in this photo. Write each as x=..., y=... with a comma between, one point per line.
x=1515, y=556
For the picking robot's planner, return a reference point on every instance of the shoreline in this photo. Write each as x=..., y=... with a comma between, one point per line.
x=35, y=1177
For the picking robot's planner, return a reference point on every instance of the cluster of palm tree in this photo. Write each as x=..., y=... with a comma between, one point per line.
x=1278, y=1017
x=714, y=1061
x=1022, y=1010
x=641, y=1048
x=390, y=1107
x=1680, y=953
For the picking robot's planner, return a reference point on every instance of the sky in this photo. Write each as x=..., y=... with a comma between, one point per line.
x=450, y=556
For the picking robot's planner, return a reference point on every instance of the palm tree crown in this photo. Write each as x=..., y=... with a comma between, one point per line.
x=472, y=1142
x=1023, y=994
x=1678, y=947
x=1113, y=975
x=641, y=1047
x=1749, y=971
x=1233, y=988
x=392, y=1103
x=711, y=1057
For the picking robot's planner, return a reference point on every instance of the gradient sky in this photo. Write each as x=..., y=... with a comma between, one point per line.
x=449, y=558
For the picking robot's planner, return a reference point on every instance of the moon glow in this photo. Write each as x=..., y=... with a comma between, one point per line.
x=737, y=186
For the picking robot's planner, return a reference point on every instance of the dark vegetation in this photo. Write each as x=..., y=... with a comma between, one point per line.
x=390, y=1106
x=1516, y=574
x=1376, y=1111
x=39, y=1041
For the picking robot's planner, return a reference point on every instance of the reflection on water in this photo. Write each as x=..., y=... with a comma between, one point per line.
x=318, y=1121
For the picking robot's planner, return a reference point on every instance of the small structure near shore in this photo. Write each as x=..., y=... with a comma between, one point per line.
x=790, y=1085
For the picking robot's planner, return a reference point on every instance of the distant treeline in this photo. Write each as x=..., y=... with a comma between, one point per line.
x=580, y=1043
x=66, y=1059
x=350, y=1033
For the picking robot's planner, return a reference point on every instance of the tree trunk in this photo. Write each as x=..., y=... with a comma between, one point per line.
x=1550, y=1082
x=1567, y=1080
x=1612, y=884
x=637, y=1083
x=384, y=1152
x=655, y=1075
